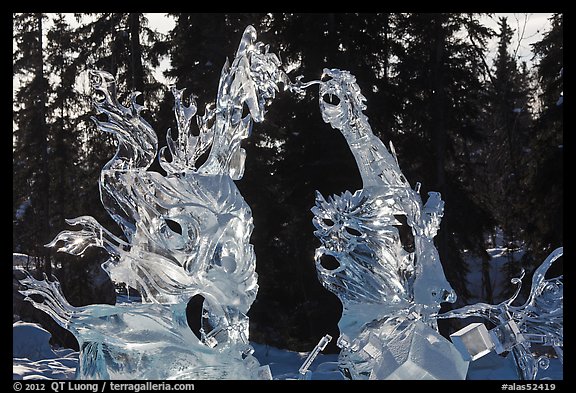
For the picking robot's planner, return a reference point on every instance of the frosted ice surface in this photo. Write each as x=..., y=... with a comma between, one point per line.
x=401, y=348
x=419, y=352
x=186, y=235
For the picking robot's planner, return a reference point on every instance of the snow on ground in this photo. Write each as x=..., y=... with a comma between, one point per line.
x=34, y=359
x=285, y=364
x=22, y=260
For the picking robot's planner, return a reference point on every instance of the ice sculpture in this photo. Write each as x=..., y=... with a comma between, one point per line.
x=518, y=329
x=186, y=236
x=378, y=256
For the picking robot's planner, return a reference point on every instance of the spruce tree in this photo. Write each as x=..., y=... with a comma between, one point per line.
x=30, y=153
x=507, y=130
x=545, y=203
x=439, y=72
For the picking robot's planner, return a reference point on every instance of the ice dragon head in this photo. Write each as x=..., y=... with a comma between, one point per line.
x=380, y=238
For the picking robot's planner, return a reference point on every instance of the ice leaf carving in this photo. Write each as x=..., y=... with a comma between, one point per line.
x=92, y=235
x=187, y=235
x=187, y=148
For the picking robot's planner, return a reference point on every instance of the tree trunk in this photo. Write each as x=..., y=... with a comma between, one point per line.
x=385, y=91
x=137, y=74
x=438, y=116
x=41, y=186
x=487, y=292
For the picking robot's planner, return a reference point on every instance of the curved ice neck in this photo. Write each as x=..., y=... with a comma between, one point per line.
x=376, y=164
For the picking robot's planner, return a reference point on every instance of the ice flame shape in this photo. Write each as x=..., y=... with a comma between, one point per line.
x=187, y=235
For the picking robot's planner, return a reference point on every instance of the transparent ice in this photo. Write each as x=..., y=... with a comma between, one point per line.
x=539, y=322
x=473, y=341
x=186, y=237
x=303, y=370
x=187, y=234
x=378, y=256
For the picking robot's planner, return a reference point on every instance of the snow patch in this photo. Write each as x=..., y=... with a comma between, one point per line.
x=34, y=358
x=31, y=341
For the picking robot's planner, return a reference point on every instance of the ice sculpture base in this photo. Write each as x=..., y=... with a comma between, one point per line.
x=420, y=352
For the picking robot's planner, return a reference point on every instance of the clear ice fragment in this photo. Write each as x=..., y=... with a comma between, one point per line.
x=473, y=341
x=506, y=336
x=317, y=349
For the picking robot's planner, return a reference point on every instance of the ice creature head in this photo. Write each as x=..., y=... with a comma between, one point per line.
x=193, y=239
x=377, y=243
x=375, y=251
x=362, y=249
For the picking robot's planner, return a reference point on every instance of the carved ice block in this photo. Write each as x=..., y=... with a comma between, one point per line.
x=420, y=352
x=473, y=341
x=506, y=336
